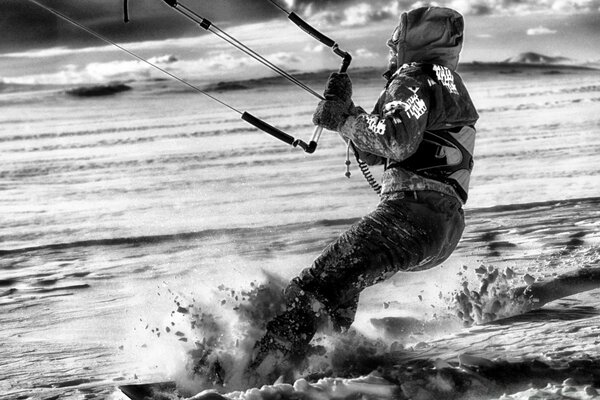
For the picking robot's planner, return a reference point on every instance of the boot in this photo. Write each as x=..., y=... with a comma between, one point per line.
x=285, y=343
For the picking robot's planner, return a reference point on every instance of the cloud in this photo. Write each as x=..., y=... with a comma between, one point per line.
x=54, y=52
x=115, y=70
x=284, y=59
x=215, y=64
x=362, y=14
x=365, y=53
x=572, y=6
x=220, y=61
x=28, y=26
x=95, y=72
x=519, y=7
x=319, y=48
x=166, y=59
x=62, y=51
x=25, y=26
x=473, y=7
x=355, y=15
x=540, y=30
x=357, y=12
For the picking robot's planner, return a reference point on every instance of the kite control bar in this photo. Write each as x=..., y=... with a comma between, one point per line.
x=309, y=147
x=346, y=59
x=262, y=125
x=204, y=23
x=326, y=41
x=256, y=122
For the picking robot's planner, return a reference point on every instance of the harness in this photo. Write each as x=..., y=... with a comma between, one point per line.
x=445, y=156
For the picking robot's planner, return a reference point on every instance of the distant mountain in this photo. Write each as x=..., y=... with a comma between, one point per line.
x=536, y=58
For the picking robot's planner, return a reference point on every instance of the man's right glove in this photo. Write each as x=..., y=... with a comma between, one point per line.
x=332, y=112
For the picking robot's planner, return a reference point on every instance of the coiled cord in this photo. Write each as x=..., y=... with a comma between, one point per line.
x=364, y=168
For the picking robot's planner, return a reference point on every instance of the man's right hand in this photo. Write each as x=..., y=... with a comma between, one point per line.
x=338, y=87
x=332, y=112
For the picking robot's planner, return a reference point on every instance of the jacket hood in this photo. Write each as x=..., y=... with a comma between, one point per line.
x=429, y=35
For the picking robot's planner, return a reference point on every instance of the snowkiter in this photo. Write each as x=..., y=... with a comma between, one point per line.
x=422, y=130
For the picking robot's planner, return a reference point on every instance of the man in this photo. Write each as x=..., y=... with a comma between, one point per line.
x=422, y=130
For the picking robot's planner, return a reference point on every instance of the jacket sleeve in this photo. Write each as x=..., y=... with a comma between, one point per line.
x=396, y=131
x=367, y=157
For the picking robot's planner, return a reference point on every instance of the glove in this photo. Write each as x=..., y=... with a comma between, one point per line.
x=335, y=109
x=338, y=87
x=331, y=114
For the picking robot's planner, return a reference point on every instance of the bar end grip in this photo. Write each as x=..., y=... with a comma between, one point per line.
x=309, y=147
x=310, y=30
x=270, y=129
x=346, y=58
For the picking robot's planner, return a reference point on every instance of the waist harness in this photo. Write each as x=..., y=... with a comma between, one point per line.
x=445, y=156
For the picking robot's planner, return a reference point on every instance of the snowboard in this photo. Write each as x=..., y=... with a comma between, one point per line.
x=148, y=390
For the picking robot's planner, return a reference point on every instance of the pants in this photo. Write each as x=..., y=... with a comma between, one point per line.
x=408, y=231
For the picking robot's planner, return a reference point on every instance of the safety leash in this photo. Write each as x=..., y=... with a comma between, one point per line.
x=364, y=168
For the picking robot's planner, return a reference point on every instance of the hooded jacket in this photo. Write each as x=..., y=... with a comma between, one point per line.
x=424, y=96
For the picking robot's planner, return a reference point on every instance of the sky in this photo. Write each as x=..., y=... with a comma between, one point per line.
x=37, y=47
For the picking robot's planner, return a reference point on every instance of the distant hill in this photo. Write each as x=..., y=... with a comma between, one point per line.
x=524, y=63
x=536, y=58
x=98, y=90
x=528, y=62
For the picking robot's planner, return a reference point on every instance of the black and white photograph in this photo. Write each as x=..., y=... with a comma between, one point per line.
x=299, y=199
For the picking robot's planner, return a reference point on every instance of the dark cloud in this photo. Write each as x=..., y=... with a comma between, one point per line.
x=480, y=9
x=317, y=3
x=24, y=25
x=339, y=4
x=360, y=17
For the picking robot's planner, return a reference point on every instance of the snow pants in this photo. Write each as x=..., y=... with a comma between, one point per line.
x=408, y=231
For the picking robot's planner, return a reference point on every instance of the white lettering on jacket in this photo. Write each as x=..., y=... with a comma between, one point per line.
x=445, y=77
x=374, y=123
x=414, y=106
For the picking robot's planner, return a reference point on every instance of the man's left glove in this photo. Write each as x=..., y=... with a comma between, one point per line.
x=332, y=112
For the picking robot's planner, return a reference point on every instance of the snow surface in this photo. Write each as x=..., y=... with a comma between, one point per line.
x=118, y=207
